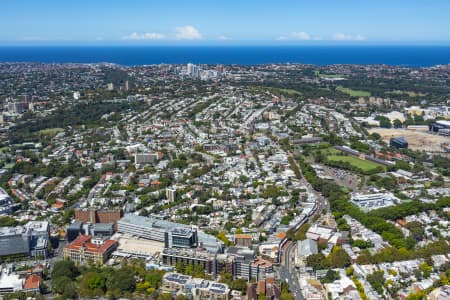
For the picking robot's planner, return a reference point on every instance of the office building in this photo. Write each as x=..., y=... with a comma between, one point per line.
x=372, y=201
x=171, y=194
x=38, y=237
x=151, y=228
x=14, y=242
x=74, y=230
x=17, y=107
x=24, y=241
x=103, y=230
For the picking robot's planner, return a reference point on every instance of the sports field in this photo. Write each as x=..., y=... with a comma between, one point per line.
x=364, y=165
x=51, y=131
x=353, y=93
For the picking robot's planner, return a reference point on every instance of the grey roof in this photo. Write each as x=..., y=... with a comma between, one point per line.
x=307, y=247
x=103, y=226
x=13, y=244
x=75, y=225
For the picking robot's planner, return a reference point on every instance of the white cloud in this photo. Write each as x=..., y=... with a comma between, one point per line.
x=224, y=38
x=188, y=32
x=301, y=35
x=144, y=36
x=348, y=37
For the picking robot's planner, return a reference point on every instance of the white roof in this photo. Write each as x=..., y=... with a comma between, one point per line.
x=11, y=281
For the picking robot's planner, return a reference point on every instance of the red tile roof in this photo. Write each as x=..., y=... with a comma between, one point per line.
x=32, y=282
x=85, y=241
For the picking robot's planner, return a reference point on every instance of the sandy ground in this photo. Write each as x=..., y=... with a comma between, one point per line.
x=417, y=140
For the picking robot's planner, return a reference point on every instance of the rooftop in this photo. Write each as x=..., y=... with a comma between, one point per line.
x=85, y=241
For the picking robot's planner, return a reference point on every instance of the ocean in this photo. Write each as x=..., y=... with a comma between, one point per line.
x=415, y=56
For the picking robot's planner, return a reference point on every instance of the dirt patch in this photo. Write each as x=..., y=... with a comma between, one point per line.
x=417, y=140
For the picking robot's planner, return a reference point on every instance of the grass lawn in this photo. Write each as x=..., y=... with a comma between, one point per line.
x=365, y=165
x=275, y=90
x=330, y=151
x=51, y=131
x=409, y=93
x=353, y=93
x=290, y=91
x=10, y=166
x=328, y=75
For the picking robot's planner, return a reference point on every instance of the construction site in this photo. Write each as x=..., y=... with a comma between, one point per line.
x=421, y=140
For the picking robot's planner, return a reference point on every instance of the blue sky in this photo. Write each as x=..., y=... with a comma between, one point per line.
x=227, y=21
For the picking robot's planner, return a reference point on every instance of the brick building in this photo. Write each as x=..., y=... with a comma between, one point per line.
x=84, y=249
x=95, y=216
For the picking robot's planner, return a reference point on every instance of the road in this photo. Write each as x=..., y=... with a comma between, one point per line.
x=321, y=202
x=287, y=270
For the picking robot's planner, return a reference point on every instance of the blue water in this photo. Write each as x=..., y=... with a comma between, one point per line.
x=243, y=55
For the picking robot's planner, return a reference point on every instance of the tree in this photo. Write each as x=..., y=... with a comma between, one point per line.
x=398, y=123
x=65, y=268
x=154, y=278
x=339, y=258
x=376, y=280
x=316, y=261
x=384, y=122
x=426, y=269
x=64, y=286
x=122, y=279
x=331, y=276
x=92, y=284
x=417, y=296
x=164, y=296
x=416, y=230
x=239, y=285
x=300, y=235
x=8, y=222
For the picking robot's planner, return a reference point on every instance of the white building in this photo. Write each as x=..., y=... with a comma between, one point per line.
x=373, y=201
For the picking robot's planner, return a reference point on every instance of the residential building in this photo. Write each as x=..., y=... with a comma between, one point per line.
x=194, y=287
x=189, y=257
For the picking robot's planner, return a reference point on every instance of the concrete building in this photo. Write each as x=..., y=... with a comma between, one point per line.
x=39, y=234
x=23, y=241
x=372, y=201
x=6, y=203
x=246, y=265
x=189, y=257
x=146, y=158
x=171, y=194
x=14, y=242
x=152, y=228
x=10, y=282
x=398, y=142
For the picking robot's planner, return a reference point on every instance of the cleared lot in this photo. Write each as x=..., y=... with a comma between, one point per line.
x=417, y=140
